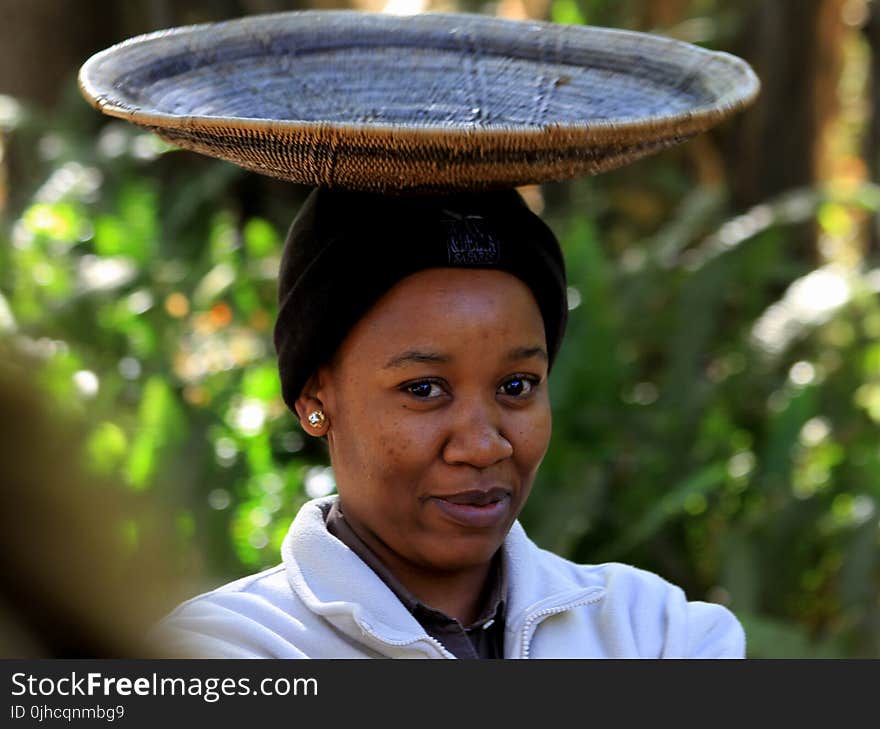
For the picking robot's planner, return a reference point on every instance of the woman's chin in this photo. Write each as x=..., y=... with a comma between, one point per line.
x=462, y=553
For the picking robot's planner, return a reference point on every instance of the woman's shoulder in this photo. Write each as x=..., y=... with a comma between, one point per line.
x=247, y=618
x=655, y=606
x=257, y=583
x=647, y=612
x=618, y=581
x=617, y=578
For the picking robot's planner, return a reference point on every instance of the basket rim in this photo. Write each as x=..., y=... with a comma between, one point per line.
x=740, y=95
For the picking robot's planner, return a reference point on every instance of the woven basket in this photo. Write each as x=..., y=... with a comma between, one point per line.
x=430, y=102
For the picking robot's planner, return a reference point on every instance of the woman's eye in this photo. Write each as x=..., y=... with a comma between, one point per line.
x=424, y=390
x=517, y=387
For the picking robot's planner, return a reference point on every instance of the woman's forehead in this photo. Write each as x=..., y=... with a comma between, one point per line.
x=460, y=291
x=437, y=312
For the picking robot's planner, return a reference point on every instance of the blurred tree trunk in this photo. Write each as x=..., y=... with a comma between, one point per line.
x=662, y=14
x=795, y=47
x=43, y=41
x=702, y=153
x=871, y=30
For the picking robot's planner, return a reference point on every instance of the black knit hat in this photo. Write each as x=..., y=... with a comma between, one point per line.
x=345, y=249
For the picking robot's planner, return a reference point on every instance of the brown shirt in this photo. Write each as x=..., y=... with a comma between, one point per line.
x=484, y=638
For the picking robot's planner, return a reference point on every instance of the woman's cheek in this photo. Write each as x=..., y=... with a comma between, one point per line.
x=535, y=436
x=393, y=434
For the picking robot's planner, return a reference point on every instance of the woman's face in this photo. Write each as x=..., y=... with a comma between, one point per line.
x=439, y=415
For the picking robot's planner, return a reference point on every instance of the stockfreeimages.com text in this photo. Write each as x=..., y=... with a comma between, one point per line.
x=209, y=689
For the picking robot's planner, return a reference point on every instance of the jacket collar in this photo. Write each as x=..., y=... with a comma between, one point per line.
x=493, y=603
x=332, y=581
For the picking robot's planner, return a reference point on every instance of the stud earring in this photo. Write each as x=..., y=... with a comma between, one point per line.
x=316, y=418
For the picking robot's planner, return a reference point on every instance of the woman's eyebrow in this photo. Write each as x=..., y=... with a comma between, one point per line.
x=527, y=352
x=414, y=356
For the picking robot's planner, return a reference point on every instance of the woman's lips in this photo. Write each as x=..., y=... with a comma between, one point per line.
x=476, y=509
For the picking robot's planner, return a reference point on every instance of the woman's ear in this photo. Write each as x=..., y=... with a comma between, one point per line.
x=310, y=408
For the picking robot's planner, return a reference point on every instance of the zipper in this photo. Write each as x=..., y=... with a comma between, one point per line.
x=530, y=624
x=367, y=629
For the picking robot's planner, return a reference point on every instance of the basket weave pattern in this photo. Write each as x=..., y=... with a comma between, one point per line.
x=417, y=103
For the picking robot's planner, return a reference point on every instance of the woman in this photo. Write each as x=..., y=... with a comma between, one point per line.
x=416, y=335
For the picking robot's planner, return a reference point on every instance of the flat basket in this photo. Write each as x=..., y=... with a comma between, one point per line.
x=430, y=102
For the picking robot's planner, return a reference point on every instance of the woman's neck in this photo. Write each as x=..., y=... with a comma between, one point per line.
x=458, y=593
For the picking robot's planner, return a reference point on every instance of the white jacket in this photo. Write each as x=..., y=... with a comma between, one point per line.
x=324, y=602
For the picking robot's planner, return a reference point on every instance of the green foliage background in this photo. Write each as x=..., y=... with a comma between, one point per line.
x=708, y=423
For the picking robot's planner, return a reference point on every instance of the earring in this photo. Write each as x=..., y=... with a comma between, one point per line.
x=316, y=418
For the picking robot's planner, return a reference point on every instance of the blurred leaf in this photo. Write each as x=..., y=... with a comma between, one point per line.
x=159, y=426
x=107, y=447
x=111, y=236
x=671, y=506
x=60, y=222
x=261, y=382
x=784, y=428
x=259, y=454
x=134, y=230
x=741, y=571
x=7, y=320
x=142, y=338
x=260, y=238
x=860, y=567
x=566, y=11
x=770, y=638
x=214, y=284
x=223, y=238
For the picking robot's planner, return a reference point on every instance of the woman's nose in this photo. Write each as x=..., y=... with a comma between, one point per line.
x=476, y=439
